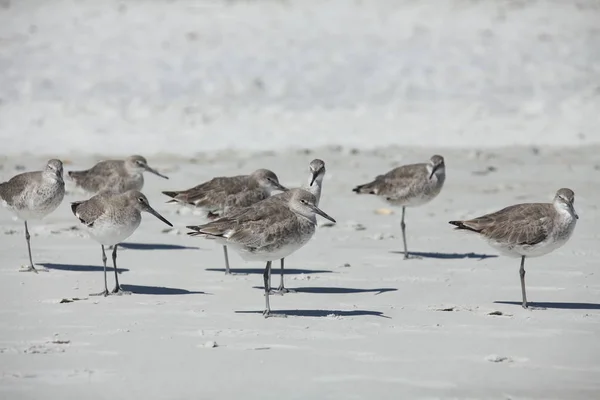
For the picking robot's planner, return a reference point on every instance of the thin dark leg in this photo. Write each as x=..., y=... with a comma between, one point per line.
x=30, y=267
x=117, y=289
x=105, y=292
x=522, y=274
x=282, y=289
x=403, y=226
x=266, y=278
x=227, y=272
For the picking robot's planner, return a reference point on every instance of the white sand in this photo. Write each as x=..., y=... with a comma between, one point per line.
x=372, y=329
x=183, y=77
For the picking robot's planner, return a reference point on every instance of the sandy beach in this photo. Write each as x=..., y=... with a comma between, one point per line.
x=507, y=92
x=364, y=323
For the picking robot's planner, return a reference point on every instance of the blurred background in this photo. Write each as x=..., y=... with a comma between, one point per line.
x=185, y=77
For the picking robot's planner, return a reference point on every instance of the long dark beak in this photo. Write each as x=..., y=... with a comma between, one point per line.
x=157, y=215
x=155, y=172
x=315, y=174
x=573, y=210
x=317, y=210
x=435, y=168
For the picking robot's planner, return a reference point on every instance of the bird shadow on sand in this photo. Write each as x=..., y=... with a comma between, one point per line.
x=82, y=268
x=336, y=290
x=158, y=290
x=260, y=271
x=155, y=246
x=321, y=313
x=560, y=306
x=446, y=256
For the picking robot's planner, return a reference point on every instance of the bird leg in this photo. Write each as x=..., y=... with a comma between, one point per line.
x=282, y=289
x=118, y=289
x=266, y=276
x=227, y=271
x=522, y=274
x=266, y=280
x=30, y=267
x=403, y=226
x=105, y=292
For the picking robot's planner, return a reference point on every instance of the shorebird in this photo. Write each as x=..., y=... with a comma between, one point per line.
x=220, y=195
x=527, y=230
x=111, y=218
x=315, y=185
x=408, y=186
x=118, y=176
x=267, y=231
x=33, y=195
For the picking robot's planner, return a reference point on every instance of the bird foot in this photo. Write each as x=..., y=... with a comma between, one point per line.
x=103, y=293
x=269, y=314
x=412, y=257
x=532, y=308
x=119, y=291
x=281, y=291
x=31, y=268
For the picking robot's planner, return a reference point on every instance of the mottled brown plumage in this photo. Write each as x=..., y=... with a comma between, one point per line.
x=213, y=195
x=117, y=176
x=527, y=230
x=33, y=195
x=267, y=230
x=408, y=186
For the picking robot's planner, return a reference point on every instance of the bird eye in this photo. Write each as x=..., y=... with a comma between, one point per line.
x=140, y=199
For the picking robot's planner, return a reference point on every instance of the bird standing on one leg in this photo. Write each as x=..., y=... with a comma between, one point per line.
x=33, y=195
x=527, y=230
x=111, y=218
x=408, y=186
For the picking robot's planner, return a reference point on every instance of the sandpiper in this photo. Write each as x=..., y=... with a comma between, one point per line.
x=527, y=230
x=267, y=231
x=33, y=195
x=118, y=176
x=315, y=184
x=222, y=194
x=111, y=218
x=408, y=186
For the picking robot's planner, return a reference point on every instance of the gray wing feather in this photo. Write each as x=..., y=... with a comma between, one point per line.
x=525, y=224
x=11, y=190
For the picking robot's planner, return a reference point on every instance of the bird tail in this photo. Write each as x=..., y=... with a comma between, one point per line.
x=74, y=206
x=367, y=188
x=462, y=225
x=75, y=175
x=172, y=195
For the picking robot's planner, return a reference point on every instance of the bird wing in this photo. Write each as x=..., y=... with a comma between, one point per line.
x=211, y=194
x=243, y=199
x=88, y=211
x=394, y=184
x=524, y=224
x=11, y=190
x=97, y=177
x=247, y=226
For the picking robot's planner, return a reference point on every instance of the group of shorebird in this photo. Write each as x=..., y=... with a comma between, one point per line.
x=264, y=221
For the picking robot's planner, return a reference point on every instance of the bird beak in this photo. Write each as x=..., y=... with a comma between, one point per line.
x=279, y=186
x=157, y=215
x=573, y=210
x=315, y=175
x=155, y=172
x=317, y=210
x=435, y=168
